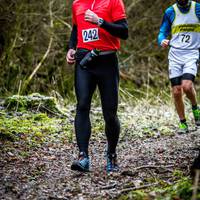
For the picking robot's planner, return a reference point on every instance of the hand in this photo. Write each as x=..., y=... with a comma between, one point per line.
x=70, y=56
x=90, y=16
x=165, y=43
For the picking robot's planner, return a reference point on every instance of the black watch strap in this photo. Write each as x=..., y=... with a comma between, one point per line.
x=100, y=21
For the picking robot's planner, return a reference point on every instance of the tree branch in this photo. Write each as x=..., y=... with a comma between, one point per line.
x=46, y=53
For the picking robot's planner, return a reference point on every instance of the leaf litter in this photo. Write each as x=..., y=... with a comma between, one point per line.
x=35, y=164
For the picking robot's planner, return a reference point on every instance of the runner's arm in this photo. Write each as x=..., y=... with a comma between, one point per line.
x=118, y=29
x=198, y=10
x=73, y=38
x=165, y=27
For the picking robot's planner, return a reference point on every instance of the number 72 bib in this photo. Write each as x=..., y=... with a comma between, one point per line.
x=90, y=35
x=185, y=38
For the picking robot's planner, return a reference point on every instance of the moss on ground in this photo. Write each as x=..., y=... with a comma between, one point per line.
x=33, y=101
x=181, y=190
x=34, y=128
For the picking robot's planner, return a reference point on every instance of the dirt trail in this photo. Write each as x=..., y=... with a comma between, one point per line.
x=45, y=173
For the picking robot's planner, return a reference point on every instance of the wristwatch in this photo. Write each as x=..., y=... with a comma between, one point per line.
x=100, y=21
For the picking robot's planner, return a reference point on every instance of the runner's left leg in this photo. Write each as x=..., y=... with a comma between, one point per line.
x=188, y=88
x=108, y=82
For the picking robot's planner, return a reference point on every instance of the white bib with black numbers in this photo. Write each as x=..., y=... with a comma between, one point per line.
x=185, y=29
x=90, y=35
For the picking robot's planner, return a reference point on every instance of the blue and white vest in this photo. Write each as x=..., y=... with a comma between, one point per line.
x=185, y=29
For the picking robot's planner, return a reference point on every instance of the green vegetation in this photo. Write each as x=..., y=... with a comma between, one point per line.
x=29, y=34
x=35, y=119
x=33, y=45
x=34, y=129
x=26, y=126
x=33, y=101
x=182, y=189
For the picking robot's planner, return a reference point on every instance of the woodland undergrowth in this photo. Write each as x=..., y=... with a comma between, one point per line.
x=33, y=122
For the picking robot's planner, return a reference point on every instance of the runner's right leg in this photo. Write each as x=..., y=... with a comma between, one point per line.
x=178, y=101
x=177, y=92
x=85, y=85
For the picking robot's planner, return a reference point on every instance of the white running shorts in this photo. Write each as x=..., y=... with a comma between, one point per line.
x=182, y=62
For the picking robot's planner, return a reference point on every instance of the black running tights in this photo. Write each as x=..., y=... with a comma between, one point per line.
x=103, y=73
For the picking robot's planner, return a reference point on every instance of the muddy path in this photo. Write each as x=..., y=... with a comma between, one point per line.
x=45, y=172
x=37, y=149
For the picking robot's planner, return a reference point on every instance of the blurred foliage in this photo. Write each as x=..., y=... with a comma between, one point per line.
x=25, y=34
x=25, y=28
x=181, y=190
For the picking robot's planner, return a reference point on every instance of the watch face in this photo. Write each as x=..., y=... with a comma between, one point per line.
x=100, y=21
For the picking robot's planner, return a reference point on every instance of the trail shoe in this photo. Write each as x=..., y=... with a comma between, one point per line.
x=82, y=164
x=112, y=163
x=196, y=113
x=183, y=128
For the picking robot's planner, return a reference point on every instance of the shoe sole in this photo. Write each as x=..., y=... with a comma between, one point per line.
x=77, y=167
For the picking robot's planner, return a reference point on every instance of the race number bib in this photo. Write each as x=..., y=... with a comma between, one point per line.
x=90, y=35
x=185, y=38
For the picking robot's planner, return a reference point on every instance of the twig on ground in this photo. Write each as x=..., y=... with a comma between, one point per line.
x=138, y=188
x=107, y=187
x=155, y=167
x=50, y=111
x=132, y=173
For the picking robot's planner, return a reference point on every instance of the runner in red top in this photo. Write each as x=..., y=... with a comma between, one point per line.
x=98, y=26
x=92, y=36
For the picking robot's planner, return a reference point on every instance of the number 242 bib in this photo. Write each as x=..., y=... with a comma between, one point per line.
x=90, y=35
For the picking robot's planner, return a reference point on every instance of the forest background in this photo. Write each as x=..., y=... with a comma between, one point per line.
x=37, y=140
x=35, y=34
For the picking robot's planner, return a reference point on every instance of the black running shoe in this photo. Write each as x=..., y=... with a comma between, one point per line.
x=112, y=165
x=82, y=164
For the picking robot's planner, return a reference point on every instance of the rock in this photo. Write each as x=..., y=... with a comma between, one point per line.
x=35, y=102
